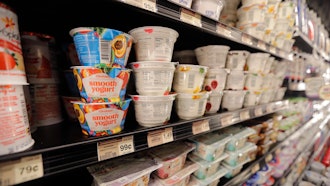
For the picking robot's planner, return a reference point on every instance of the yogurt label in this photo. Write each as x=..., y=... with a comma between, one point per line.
x=104, y=119
x=101, y=85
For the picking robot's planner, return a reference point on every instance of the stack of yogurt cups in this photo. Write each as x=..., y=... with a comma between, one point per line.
x=229, y=12
x=101, y=79
x=153, y=73
x=16, y=134
x=214, y=57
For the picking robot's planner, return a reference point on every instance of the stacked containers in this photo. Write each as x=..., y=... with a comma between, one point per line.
x=153, y=74
x=214, y=58
x=15, y=135
x=41, y=67
x=102, y=79
x=229, y=12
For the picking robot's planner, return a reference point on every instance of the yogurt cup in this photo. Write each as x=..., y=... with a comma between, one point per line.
x=151, y=111
x=102, y=47
x=154, y=43
x=233, y=99
x=101, y=119
x=213, y=103
x=189, y=78
x=254, y=29
x=251, y=14
x=212, y=56
x=280, y=93
x=209, y=8
x=254, y=2
x=252, y=98
x=215, y=80
x=235, y=80
x=101, y=85
x=268, y=65
x=190, y=106
x=236, y=59
x=69, y=107
x=16, y=135
x=256, y=62
x=153, y=78
x=253, y=81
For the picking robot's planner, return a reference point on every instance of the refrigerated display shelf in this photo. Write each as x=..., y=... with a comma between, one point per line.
x=63, y=147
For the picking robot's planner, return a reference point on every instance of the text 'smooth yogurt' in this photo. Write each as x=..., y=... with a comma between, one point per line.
x=101, y=119
x=14, y=126
x=12, y=69
x=40, y=58
x=102, y=47
x=154, y=43
x=101, y=85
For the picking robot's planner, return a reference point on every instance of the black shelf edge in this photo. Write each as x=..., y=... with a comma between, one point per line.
x=171, y=10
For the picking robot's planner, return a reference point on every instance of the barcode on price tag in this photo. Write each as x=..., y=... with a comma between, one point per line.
x=270, y=108
x=115, y=147
x=261, y=45
x=223, y=30
x=190, y=17
x=246, y=39
x=227, y=119
x=200, y=126
x=159, y=137
x=255, y=168
x=244, y=115
x=22, y=170
x=258, y=111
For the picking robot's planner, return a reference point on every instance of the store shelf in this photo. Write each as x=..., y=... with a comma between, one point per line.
x=189, y=16
x=64, y=148
x=254, y=166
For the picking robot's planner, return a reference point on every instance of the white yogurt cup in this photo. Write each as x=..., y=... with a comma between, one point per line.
x=255, y=63
x=267, y=96
x=154, y=43
x=253, y=81
x=254, y=29
x=252, y=98
x=213, y=56
x=251, y=14
x=151, y=111
x=254, y=2
x=153, y=78
x=235, y=80
x=233, y=99
x=215, y=80
x=268, y=65
x=189, y=78
x=213, y=102
x=190, y=106
x=208, y=8
x=236, y=59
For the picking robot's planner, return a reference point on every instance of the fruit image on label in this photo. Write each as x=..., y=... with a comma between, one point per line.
x=8, y=61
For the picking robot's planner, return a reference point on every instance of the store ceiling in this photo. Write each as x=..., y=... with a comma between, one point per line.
x=322, y=8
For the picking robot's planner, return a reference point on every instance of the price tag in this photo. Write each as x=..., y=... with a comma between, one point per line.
x=159, y=137
x=258, y=111
x=244, y=115
x=261, y=45
x=324, y=92
x=268, y=158
x=200, y=126
x=149, y=5
x=227, y=119
x=272, y=49
x=269, y=108
x=115, y=147
x=223, y=30
x=22, y=170
x=246, y=39
x=190, y=17
x=255, y=168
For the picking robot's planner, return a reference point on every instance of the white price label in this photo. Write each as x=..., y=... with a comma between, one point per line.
x=258, y=111
x=255, y=168
x=270, y=108
x=261, y=45
x=227, y=120
x=190, y=17
x=22, y=170
x=246, y=39
x=115, y=147
x=149, y=5
x=223, y=30
x=244, y=115
x=159, y=137
x=200, y=126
